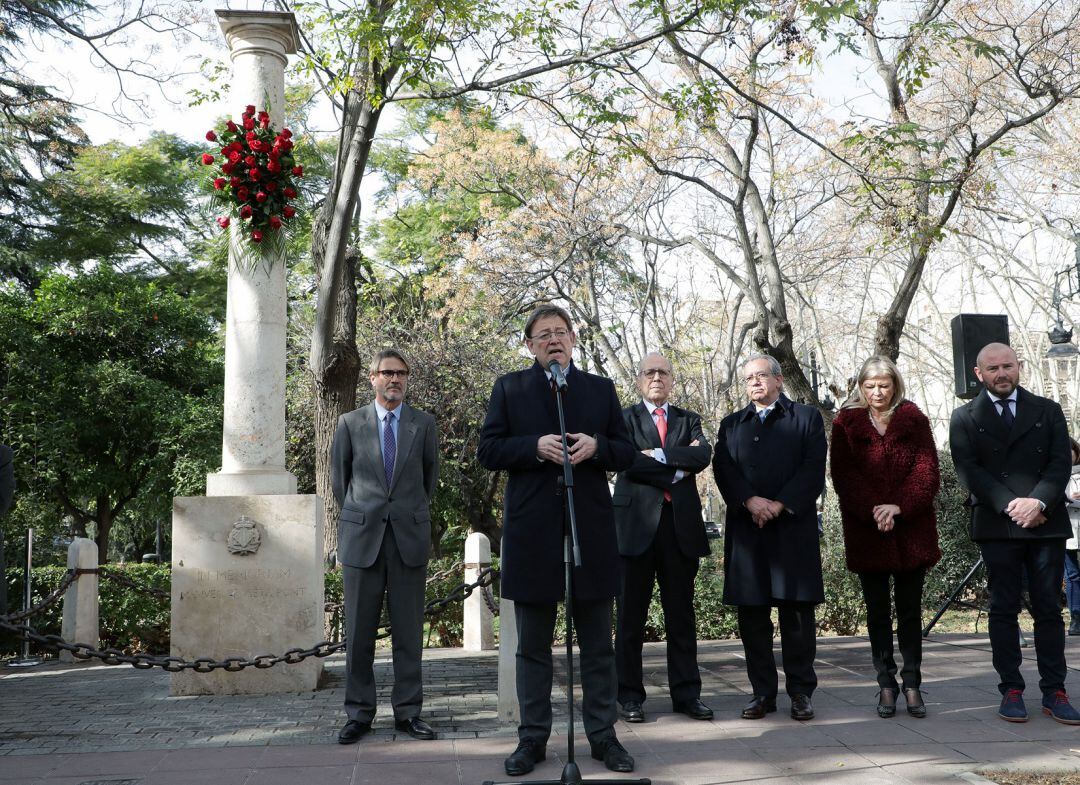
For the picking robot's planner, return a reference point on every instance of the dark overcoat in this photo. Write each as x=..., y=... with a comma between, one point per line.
x=899, y=467
x=522, y=409
x=639, y=491
x=782, y=459
x=1032, y=459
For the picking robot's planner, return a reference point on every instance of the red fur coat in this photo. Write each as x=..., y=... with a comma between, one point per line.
x=898, y=468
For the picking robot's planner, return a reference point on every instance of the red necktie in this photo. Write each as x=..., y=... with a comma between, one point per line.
x=661, y=427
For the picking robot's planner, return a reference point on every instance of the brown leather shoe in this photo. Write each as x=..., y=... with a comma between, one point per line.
x=758, y=707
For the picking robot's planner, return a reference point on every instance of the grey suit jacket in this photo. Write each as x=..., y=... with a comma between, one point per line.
x=359, y=481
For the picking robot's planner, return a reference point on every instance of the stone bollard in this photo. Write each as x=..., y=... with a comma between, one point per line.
x=479, y=622
x=508, y=704
x=80, y=623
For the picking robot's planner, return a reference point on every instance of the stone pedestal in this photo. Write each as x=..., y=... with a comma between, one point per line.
x=247, y=579
x=80, y=622
x=508, y=641
x=479, y=622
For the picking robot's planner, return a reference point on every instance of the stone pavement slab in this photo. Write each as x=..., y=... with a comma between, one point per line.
x=97, y=725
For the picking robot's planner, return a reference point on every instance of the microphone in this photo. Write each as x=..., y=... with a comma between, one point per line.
x=557, y=374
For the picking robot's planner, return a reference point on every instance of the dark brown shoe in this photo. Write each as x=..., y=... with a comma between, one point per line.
x=758, y=707
x=801, y=708
x=886, y=705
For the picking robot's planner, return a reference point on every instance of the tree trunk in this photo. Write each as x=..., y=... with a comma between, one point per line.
x=104, y=523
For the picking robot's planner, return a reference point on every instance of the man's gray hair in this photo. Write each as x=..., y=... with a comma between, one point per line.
x=774, y=366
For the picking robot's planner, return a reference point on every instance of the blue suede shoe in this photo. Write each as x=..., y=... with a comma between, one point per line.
x=1057, y=705
x=1012, y=707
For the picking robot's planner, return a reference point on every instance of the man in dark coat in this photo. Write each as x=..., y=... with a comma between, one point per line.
x=7, y=494
x=661, y=537
x=521, y=436
x=770, y=467
x=1011, y=450
x=383, y=468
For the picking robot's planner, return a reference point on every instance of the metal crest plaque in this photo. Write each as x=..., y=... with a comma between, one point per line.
x=244, y=537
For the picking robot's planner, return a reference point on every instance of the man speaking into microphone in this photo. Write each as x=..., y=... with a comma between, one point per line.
x=521, y=435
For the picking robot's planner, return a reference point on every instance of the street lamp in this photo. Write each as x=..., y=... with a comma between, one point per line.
x=1066, y=286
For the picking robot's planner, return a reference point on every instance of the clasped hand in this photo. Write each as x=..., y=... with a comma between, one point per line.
x=1027, y=513
x=763, y=510
x=885, y=516
x=582, y=447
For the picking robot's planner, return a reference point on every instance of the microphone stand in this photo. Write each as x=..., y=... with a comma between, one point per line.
x=571, y=774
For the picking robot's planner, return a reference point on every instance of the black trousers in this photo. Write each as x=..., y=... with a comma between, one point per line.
x=665, y=563
x=798, y=647
x=364, y=590
x=1044, y=560
x=907, y=590
x=592, y=628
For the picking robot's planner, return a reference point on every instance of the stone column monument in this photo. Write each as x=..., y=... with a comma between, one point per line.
x=247, y=557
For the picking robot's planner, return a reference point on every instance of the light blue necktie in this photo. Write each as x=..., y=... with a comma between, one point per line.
x=389, y=448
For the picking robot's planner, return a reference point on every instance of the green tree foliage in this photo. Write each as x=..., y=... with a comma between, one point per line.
x=110, y=394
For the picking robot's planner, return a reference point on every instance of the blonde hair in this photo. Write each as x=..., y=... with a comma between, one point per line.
x=877, y=365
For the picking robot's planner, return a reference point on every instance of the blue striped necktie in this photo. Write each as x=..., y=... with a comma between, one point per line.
x=389, y=448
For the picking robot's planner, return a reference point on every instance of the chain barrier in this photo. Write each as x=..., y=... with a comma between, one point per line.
x=84, y=651
x=115, y=576
x=69, y=578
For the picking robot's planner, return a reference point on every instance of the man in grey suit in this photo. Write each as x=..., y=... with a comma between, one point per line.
x=384, y=465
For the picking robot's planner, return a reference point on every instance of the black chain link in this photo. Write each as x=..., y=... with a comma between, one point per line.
x=116, y=576
x=84, y=651
x=69, y=578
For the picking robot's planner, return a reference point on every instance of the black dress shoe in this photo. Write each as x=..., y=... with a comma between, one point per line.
x=613, y=754
x=915, y=705
x=416, y=728
x=758, y=707
x=529, y=752
x=632, y=711
x=886, y=705
x=801, y=709
x=352, y=731
x=694, y=709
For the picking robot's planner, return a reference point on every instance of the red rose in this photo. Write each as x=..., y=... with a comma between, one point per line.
x=265, y=123
x=234, y=156
x=288, y=211
x=249, y=124
x=249, y=160
x=254, y=173
x=211, y=136
x=270, y=187
x=227, y=168
x=223, y=222
x=219, y=183
x=207, y=159
x=250, y=109
x=275, y=153
x=236, y=182
x=250, y=136
x=286, y=133
x=242, y=194
x=264, y=115
x=245, y=211
x=261, y=197
x=275, y=222
x=273, y=166
x=232, y=126
x=256, y=236
x=290, y=193
x=298, y=171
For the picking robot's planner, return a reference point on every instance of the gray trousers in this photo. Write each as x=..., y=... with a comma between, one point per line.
x=592, y=629
x=364, y=589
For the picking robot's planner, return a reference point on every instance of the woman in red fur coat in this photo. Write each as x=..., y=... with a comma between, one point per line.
x=885, y=472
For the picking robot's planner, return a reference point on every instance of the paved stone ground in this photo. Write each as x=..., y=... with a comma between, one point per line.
x=96, y=725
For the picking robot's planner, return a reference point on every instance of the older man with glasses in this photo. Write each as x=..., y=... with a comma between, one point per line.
x=383, y=466
x=769, y=464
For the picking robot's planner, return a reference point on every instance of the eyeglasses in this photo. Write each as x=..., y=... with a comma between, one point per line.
x=661, y=372
x=388, y=375
x=547, y=335
x=761, y=376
